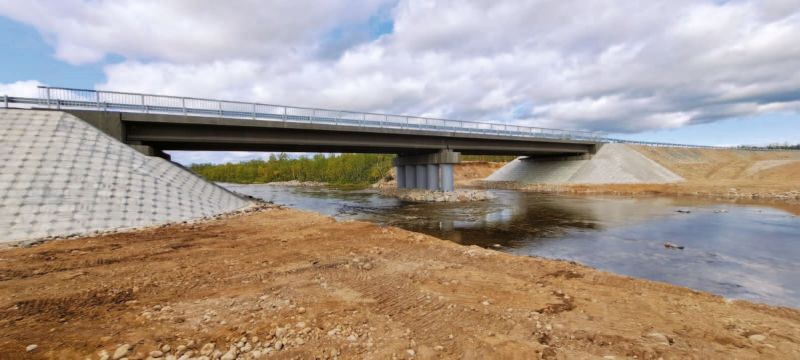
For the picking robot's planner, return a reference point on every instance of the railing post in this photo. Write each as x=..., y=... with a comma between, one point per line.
x=48, y=98
x=141, y=97
x=313, y=115
x=183, y=105
x=219, y=107
x=284, y=114
x=5, y=101
x=254, y=111
x=97, y=99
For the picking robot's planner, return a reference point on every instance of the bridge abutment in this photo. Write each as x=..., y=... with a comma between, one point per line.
x=426, y=171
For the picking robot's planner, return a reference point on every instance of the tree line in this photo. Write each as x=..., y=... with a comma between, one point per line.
x=333, y=169
x=775, y=146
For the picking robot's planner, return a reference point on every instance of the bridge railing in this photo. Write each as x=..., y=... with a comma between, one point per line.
x=68, y=98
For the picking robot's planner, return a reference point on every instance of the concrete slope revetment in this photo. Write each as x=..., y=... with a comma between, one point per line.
x=613, y=164
x=60, y=176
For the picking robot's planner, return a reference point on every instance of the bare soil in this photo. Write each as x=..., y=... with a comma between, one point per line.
x=298, y=285
x=715, y=173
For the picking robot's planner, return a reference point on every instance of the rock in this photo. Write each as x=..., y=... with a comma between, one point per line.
x=411, y=352
x=278, y=345
x=683, y=211
x=438, y=348
x=207, y=349
x=757, y=337
x=156, y=354
x=497, y=246
x=31, y=347
x=280, y=332
x=103, y=355
x=669, y=245
x=230, y=355
x=659, y=338
x=485, y=303
x=121, y=351
x=420, y=195
x=166, y=348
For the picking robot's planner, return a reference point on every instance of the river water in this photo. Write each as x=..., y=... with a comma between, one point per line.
x=738, y=251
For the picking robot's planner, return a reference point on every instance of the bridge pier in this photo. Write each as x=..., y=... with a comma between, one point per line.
x=400, y=176
x=426, y=171
x=447, y=178
x=433, y=177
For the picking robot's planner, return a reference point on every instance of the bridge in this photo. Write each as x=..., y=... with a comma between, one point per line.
x=426, y=147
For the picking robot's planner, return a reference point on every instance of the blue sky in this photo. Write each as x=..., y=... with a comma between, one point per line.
x=733, y=78
x=27, y=56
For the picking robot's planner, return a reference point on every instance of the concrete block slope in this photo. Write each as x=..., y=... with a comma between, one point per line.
x=613, y=164
x=60, y=176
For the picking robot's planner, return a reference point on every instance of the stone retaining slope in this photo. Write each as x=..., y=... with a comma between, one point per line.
x=60, y=176
x=613, y=164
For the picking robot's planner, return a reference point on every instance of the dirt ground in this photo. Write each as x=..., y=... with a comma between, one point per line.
x=469, y=170
x=711, y=173
x=287, y=284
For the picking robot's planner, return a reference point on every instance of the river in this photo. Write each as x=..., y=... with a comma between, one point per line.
x=735, y=250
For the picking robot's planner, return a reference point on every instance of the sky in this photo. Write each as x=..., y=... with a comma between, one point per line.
x=695, y=72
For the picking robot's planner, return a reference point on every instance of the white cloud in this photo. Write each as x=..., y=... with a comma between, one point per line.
x=600, y=65
x=185, y=30
x=24, y=88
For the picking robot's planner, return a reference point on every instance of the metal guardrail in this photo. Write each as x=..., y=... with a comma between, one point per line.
x=67, y=98
x=70, y=98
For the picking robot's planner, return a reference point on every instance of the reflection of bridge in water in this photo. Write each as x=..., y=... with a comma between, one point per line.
x=427, y=148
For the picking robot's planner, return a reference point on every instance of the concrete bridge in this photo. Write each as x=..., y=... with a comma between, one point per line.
x=426, y=148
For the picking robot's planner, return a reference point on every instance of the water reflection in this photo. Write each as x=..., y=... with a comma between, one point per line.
x=739, y=251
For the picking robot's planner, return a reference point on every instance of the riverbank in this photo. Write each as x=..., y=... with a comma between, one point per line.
x=708, y=173
x=288, y=283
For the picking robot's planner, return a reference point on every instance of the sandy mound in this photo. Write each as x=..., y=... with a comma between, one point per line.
x=613, y=164
x=61, y=176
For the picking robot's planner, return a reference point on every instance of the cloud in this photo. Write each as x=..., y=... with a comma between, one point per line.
x=183, y=31
x=606, y=65
x=24, y=88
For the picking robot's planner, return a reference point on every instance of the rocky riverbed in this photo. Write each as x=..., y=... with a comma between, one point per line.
x=417, y=195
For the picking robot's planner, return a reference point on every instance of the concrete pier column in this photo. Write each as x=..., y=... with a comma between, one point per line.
x=447, y=177
x=433, y=177
x=400, y=176
x=411, y=178
x=431, y=171
x=422, y=178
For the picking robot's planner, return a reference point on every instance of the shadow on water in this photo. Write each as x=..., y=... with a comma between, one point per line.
x=741, y=251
